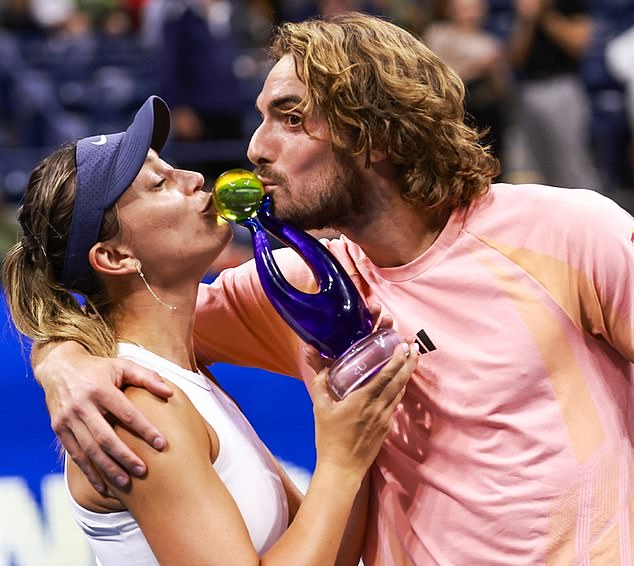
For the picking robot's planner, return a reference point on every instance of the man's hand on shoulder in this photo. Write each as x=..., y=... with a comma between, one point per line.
x=80, y=390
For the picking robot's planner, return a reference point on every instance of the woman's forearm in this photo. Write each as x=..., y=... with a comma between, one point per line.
x=314, y=537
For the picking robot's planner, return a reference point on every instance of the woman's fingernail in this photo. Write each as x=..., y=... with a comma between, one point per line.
x=159, y=443
x=121, y=481
x=405, y=347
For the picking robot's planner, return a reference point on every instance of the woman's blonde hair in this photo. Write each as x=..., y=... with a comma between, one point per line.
x=40, y=306
x=379, y=87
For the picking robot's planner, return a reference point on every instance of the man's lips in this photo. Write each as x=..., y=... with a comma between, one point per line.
x=268, y=183
x=268, y=186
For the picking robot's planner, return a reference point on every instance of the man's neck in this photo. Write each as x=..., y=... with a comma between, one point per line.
x=397, y=234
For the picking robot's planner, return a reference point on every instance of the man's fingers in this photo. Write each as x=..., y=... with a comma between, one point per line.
x=129, y=416
x=118, y=405
x=134, y=374
x=81, y=459
x=107, y=453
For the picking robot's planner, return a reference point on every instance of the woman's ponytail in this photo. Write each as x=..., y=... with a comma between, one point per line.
x=41, y=308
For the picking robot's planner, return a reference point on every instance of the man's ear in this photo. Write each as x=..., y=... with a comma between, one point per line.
x=111, y=260
x=377, y=155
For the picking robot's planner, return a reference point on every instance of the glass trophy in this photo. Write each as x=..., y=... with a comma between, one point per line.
x=335, y=319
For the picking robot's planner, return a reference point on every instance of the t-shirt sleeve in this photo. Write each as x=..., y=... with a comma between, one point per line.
x=236, y=323
x=605, y=244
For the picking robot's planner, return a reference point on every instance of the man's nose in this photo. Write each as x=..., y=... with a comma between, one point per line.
x=260, y=148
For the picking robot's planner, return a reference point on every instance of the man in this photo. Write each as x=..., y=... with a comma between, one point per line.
x=513, y=443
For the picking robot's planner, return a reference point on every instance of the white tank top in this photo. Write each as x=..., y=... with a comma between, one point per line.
x=243, y=464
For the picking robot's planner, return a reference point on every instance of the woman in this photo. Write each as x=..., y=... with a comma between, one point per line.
x=109, y=219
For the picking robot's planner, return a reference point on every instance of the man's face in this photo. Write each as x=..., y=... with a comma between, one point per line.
x=312, y=186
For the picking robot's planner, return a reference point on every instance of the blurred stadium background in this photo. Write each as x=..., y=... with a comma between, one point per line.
x=70, y=68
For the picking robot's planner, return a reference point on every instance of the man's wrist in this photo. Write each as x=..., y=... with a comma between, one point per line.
x=43, y=351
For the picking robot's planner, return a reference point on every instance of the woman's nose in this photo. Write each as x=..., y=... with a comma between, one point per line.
x=192, y=181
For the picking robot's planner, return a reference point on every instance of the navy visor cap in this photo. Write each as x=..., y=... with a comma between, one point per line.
x=106, y=166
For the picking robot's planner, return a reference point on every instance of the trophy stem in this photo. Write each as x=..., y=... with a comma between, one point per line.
x=331, y=319
x=335, y=319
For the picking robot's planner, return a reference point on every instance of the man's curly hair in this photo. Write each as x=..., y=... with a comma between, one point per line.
x=379, y=87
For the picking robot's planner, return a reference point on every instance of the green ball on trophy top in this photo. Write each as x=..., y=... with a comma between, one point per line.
x=237, y=194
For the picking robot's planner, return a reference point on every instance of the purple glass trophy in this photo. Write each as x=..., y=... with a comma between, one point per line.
x=335, y=320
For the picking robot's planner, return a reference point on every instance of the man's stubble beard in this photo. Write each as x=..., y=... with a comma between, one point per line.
x=335, y=201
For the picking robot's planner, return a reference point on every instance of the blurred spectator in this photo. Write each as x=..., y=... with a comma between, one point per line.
x=313, y=8
x=152, y=14
x=99, y=11
x=256, y=22
x=478, y=58
x=117, y=23
x=197, y=52
x=620, y=61
x=8, y=227
x=52, y=15
x=9, y=56
x=547, y=42
x=134, y=9
x=620, y=58
x=17, y=16
x=413, y=15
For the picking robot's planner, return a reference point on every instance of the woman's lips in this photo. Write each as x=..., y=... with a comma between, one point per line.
x=209, y=206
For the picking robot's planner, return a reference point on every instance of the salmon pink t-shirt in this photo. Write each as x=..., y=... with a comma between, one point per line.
x=514, y=441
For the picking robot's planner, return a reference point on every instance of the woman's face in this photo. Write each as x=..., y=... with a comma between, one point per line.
x=171, y=225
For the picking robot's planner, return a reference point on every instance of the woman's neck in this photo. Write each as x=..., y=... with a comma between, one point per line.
x=168, y=332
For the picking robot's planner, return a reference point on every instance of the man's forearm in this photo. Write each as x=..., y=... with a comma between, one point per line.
x=41, y=351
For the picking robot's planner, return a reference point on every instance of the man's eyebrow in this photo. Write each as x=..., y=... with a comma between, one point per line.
x=284, y=102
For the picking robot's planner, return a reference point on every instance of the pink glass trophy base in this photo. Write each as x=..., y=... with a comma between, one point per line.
x=361, y=361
